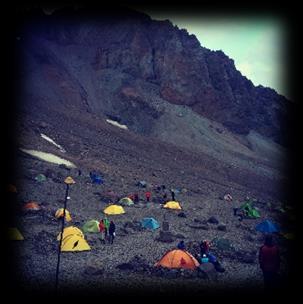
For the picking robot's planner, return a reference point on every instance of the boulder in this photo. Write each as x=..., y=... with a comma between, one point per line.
x=165, y=236
x=213, y=220
x=221, y=227
x=207, y=271
x=182, y=214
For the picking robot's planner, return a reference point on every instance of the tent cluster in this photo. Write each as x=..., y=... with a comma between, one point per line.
x=73, y=240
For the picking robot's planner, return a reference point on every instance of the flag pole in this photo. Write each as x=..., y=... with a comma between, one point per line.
x=68, y=181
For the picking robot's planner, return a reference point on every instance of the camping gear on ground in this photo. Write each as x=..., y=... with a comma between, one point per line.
x=74, y=242
x=11, y=188
x=126, y=201
x=31, y=206
x=69, y=231
x=142, y=184
x=267, y=227
x=96, y=178
x=114, y=209
x=249, y=211
x=172, y=205
x=177, y=258
x=228, y=197
x=150, y=223
x=204, y=259
x=14, y=234
x=59, y=214
x=40, y=178
x=91, y=226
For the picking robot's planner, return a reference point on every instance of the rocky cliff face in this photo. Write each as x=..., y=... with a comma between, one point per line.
x=126, y=65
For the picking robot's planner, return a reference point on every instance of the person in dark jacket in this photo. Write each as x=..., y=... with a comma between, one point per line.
x=111, y=232
x=269, y=260
x=136, y=198
x=181, y=245
x=172, y=194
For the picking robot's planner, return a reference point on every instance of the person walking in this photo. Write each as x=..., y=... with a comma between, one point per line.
x=111, y=231
x=269, y=260
x=102, y=231
x=106, y=224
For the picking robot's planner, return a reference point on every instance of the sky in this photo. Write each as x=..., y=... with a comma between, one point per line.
x=255, y=44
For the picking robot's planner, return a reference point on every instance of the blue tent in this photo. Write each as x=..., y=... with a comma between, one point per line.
x=150, y=223
x=267, y=226
x=96, y=178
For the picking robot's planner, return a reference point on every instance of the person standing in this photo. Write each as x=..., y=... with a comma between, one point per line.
x=136, y=198
x=106, y=224
x=102, y=231
x=111, y=231
x=172, y=194
x=147, y=196
x=269, y=260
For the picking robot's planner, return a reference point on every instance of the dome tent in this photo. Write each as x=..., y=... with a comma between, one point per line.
x=59, y=213
x=177, y=258
x=172, y=205
x=114, y=209
x=150, y=223
x=91, y=226
x=69, y=231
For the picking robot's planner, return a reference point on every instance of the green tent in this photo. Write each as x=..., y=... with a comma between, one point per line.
x=40, y=178
x=126, y=201
x=249, y=210
x=91, y=226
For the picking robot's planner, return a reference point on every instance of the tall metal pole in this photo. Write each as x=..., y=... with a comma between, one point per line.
x=61, y=237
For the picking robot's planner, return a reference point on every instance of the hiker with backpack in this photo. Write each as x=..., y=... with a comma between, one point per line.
x=102, y=231
x=111, y=232
x=269, y=260
x=207, y=256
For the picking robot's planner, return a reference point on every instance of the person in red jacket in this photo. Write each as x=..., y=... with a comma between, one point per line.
x=269, y=260
x=148, y=196
x=102, y=231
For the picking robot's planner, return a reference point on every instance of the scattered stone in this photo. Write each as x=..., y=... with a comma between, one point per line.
x=165, y=236
x=207, y=271
x=180, y=236
x=182, y=214
x=92, y=271
x=203, y=227
x=213, y=220
x=125, y=266
x=221, y=227
x=250, y=238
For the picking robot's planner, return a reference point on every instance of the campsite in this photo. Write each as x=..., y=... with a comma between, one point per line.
x=137, y=124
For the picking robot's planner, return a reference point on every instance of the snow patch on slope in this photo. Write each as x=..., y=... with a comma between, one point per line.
x=116, y=124
x=52, y=142
x=51, y=158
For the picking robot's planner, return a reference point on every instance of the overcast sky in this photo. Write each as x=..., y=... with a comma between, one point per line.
x=255, y=44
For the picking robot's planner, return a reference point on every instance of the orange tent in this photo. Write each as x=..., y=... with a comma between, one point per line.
x=177, y=258
x=31, y=205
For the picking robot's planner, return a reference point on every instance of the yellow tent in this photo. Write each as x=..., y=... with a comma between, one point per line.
x=74, y=242
x=15, y=235
x=70, y=230
x=114, y=209
x=172, y=205
x=59, y=213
